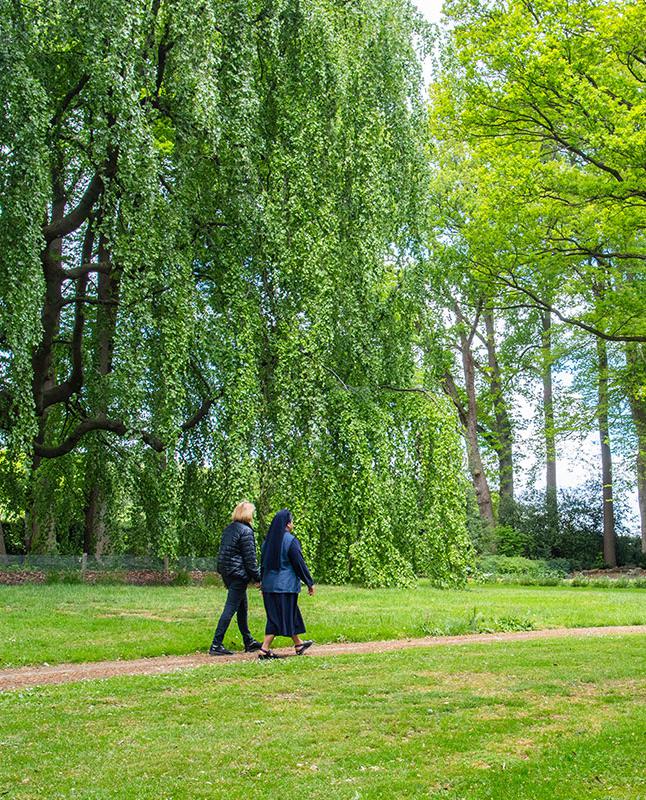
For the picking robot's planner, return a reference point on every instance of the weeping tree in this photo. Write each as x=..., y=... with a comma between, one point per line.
x=209, y=217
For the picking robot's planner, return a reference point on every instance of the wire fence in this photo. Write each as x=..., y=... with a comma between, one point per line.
x=108, y=563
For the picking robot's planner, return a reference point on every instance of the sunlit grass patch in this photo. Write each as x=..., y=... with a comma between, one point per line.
x=550, y=720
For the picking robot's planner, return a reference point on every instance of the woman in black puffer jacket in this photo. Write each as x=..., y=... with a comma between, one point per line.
x=238, y=566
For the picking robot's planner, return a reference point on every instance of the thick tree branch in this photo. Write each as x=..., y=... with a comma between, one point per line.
x=88, y=300
x=100, y=423
x=579, y=250
x=64, y=390
x=199, y=415
x=72, y=221
x=451, y=391
x=118, y=427
x=69, y=97
x=512, y=283
x=85, y=269
x=77, y=216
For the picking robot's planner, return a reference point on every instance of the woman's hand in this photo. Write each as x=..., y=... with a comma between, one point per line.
x=310, y=589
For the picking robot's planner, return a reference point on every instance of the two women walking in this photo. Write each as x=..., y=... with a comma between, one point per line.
x=282, y=570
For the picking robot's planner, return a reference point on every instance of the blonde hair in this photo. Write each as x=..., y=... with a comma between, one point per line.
x=243, y=512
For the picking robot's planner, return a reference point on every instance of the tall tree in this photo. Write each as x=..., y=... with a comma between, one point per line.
x=503, y=434
x=609, y=545
x=551, y=493
x=635, y=385
x=481, y=485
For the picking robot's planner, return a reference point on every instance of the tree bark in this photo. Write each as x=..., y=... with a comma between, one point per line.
x=95, y=535
x=636, y=361
x=609, y=547
x=44, y=374
x=44, y=377
x=504, y=437
x=478, y=476
x=40, y=526
x=95, y=538
x=551, y=498
x=3, y=548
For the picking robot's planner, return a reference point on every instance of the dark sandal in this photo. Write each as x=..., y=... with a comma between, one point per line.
x=265, y=655
x=301, y=648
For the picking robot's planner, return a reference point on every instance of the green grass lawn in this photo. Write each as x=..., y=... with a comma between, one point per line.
x=43, y=623
x=552, y=719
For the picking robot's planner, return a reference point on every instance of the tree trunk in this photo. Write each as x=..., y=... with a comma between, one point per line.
x=40, y=521
x=42, y=532
x=504, y=438
x=609, y=549
x=483, y=494
x=3, y=549
x=44, y=368
x=101, y=540
x=636, y=361
x=548, y=420
x=96, y=539
x=641, y=479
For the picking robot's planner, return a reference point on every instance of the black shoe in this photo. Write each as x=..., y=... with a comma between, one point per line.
x=265, y=655
x=219, y=650
x=302, y=647
x=252, y=647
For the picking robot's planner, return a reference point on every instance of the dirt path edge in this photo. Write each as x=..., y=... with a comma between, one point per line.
x=25, y=677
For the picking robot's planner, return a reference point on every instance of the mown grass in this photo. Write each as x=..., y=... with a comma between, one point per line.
x=60, y=623
x=549, y=719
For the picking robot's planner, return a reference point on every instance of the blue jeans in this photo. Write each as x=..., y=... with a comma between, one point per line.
x=236, y=603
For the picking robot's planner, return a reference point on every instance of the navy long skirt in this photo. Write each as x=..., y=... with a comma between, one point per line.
x=283, y=614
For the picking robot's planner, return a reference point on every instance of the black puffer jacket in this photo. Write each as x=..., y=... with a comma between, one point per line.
x=237, y=556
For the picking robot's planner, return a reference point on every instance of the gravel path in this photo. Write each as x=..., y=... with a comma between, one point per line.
x=24, y=677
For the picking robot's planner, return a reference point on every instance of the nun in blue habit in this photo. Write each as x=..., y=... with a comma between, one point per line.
x=282, y=569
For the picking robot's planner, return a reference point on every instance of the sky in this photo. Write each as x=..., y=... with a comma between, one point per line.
x=430, y=8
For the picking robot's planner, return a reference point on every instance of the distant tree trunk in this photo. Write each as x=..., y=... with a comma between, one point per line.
x=636, y=362
x=3, y=549
x=548, y=420
x=483, y=493
x=504, y=438
x=95, y=536
x=474, y=459
x=609, y=549
x=40, y=524
x=42, y=533
x=28, y=530
x=469, y=417
x=641, y=475
x=641, y=487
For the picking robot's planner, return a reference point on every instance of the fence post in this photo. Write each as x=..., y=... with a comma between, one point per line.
x=165, y=566
x=83, y=563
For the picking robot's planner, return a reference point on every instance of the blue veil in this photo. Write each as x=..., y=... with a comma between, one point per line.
x=274, y=540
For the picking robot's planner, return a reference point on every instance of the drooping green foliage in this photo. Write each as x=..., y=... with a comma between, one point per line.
x=223, y=287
